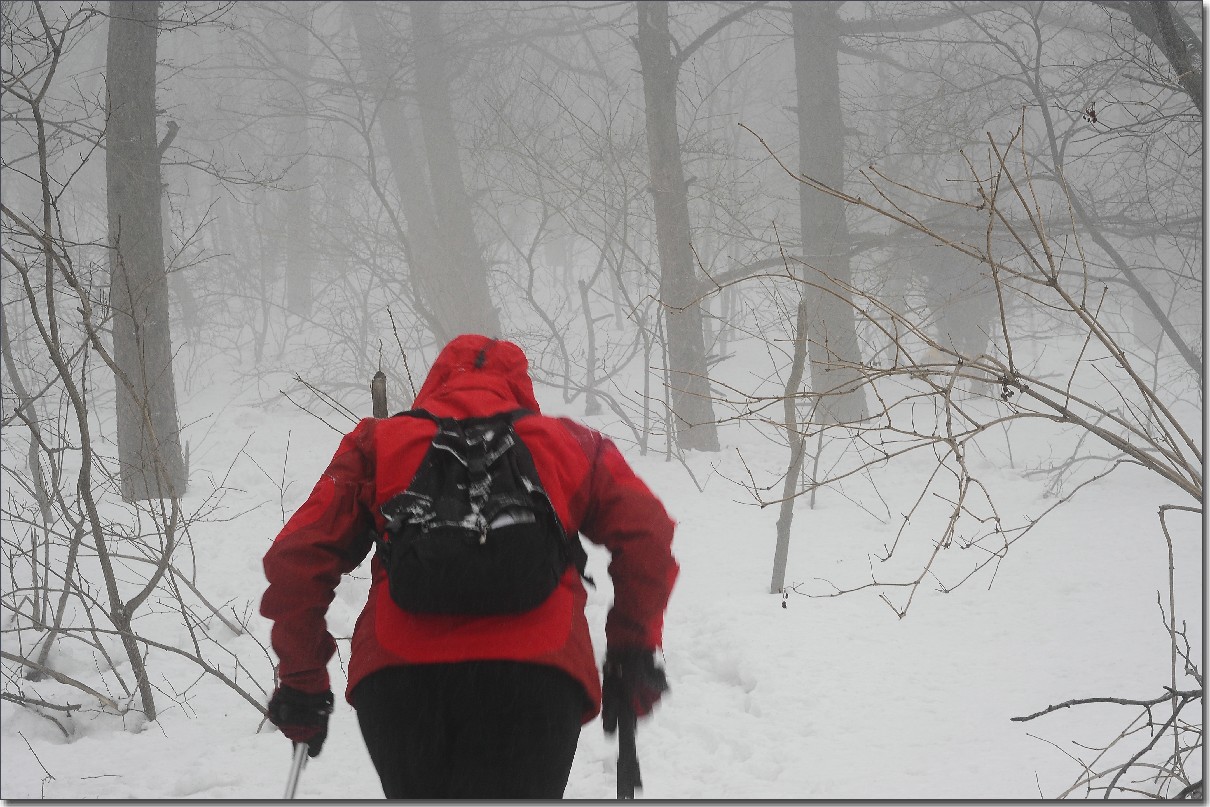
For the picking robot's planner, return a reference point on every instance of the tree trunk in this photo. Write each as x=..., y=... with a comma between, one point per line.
x=466, y=288
x=1159, y=21
x=797, y=442
x=689, y=380
x=300, y=243
x=825, y=235
x=435, y=279
x=149, y=448
x=424, y=259
x=592, y=403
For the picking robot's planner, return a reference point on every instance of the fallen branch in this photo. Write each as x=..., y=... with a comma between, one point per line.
x=63, y=679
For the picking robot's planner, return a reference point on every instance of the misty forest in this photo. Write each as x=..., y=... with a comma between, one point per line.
x=877, y=295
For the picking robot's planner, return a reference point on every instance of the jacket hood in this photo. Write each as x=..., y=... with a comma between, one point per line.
x=476, y=375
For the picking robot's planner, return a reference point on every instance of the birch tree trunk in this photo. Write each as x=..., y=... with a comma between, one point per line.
x=832, y=329
x=692, y=409
x=149, y=448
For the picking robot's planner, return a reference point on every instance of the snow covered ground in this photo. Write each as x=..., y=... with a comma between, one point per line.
x=826, y=698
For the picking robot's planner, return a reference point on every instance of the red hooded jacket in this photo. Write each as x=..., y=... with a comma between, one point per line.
x=594, y=493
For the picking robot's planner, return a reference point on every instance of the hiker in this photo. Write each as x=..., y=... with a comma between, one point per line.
x=485, y=705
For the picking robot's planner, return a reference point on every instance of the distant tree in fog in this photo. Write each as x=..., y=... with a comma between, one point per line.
x=833, y=349
x=447, y=267
x=465, y=287
x=688, y=374
x=149, y=445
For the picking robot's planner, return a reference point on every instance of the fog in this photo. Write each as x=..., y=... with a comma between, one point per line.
x=907, y=255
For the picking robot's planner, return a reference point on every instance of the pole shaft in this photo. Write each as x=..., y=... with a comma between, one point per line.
x=300, y=759
x=628, y=758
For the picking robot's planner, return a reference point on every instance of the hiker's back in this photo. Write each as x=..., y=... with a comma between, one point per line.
x=452, y=703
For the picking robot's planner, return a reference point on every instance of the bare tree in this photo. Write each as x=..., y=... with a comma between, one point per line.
x=832, y=342
x=149, y=445
x=1160, y=22
x=448, y=272
x=792, y=423
x=689, y=378
x=1135, y=424
x=84, y=559
x=292, y=31
x=465, y=286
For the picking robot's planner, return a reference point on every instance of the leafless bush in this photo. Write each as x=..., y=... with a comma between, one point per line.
x=83, y=567
x=934, y=401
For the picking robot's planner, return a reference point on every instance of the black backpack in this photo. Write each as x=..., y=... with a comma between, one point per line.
x=475, y=532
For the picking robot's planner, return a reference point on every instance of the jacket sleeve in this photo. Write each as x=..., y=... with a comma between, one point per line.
x=328, y=536
x=626, y=518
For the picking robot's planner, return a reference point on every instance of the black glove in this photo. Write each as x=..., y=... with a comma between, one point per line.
x=633, y=683
x=302, y=716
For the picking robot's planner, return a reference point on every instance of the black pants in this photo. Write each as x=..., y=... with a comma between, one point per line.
x=472, y=730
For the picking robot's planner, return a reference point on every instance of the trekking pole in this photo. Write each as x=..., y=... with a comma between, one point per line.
x=300, y=759
x=628, y=756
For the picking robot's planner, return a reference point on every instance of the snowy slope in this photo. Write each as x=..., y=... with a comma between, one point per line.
x=826, y=698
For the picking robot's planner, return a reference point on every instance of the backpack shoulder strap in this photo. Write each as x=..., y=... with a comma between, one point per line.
x=579, y=556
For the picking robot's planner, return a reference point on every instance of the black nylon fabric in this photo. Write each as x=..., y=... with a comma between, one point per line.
x=471, y=730
x=474, y=532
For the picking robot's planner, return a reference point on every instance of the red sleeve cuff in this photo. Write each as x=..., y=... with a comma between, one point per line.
x=312, y=682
